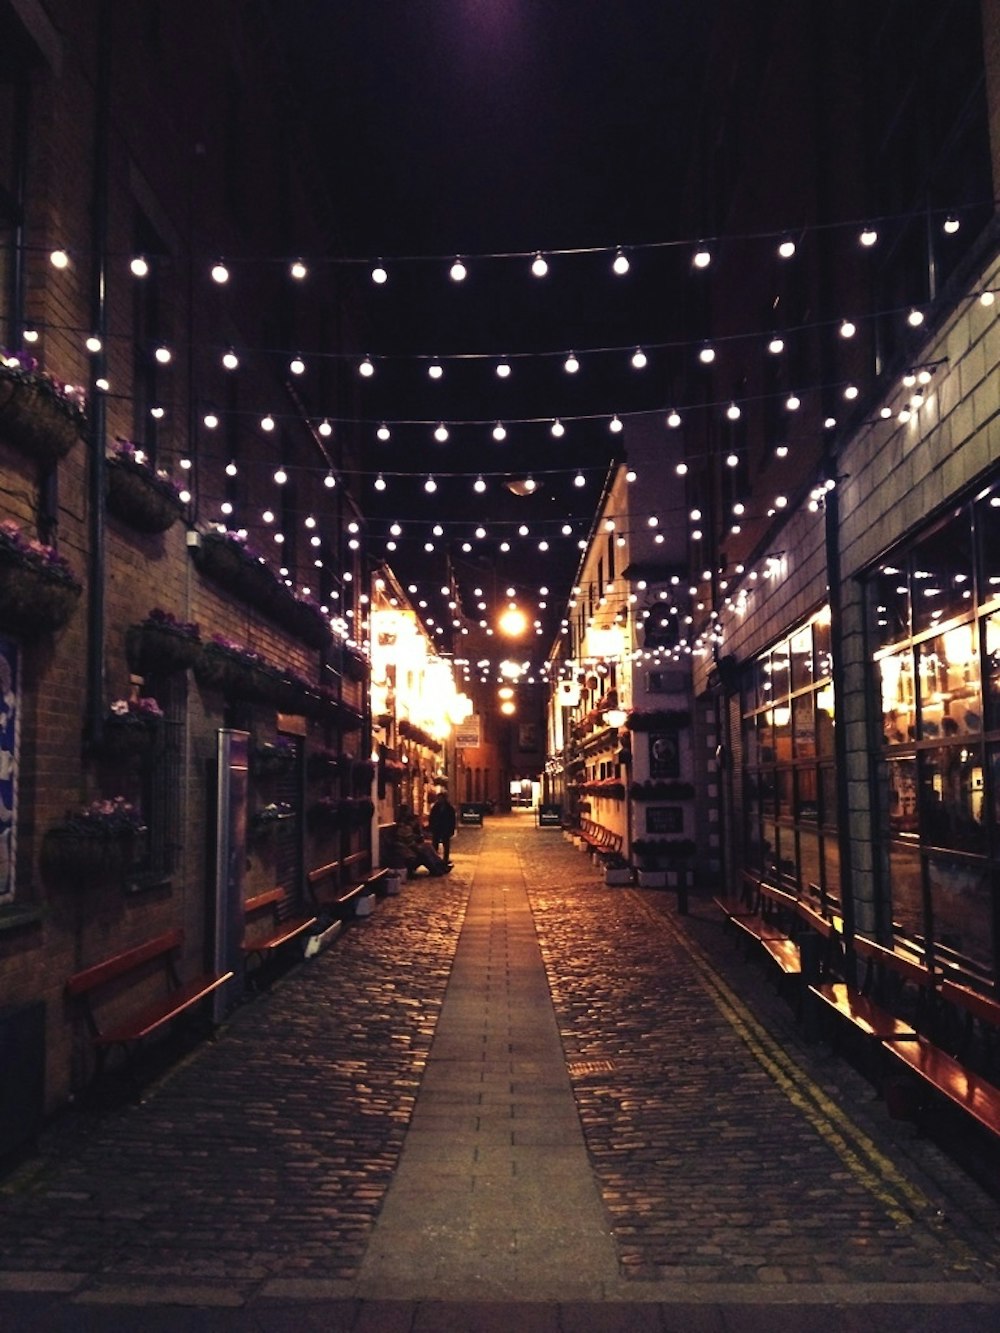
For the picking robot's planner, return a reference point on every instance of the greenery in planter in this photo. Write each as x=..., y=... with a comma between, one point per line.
x=40, y=416
x=140, y=495
x=101, y=840
x=38, y=591
x=659, y=719
x=131, y=727
x=272, y=758
x=224, y=556
x=267, y=818
x=227, y=666
x=161, y=642
x=411, y=732
x=610, y=788
x=658, y=853
x=661, y=789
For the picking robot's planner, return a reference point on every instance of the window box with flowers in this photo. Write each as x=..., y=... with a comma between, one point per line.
x=227, y=666
x=161, y=642
x=39, y=416
x=38, y=591
x=265, y=820
x=131, y=727
x=660, y=859
x=272, y=759
x=140, y=495
x=104, y=840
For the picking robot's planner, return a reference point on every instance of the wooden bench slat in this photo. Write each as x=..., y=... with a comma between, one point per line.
x=867, y=1016
x=162, y=1011
x=286, y=931
x=970, y=1091
x=104, y=972
x=972, y=1001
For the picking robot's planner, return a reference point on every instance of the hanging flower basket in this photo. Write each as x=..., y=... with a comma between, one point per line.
x=162, y=643
x=264, y=821
x=272, y=759
x=355, y=664
x=143, y=498
x=38, y=592
x=132, y=727
x=102, y=842
x=38, y=416
x=228, y=667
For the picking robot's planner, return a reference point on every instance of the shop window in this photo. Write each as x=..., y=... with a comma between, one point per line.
x=889, y=601
x=961, y=903
x=942, y=575
x=948, y=670
x=899, y=702
x=952, y=798
x=991, y=670
x=804, y=723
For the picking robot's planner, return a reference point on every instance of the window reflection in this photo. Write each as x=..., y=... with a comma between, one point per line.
x=991, y=670
x=961, y=909
x=902, y=797
x=952, y=798
x=950, y=701
x=942, y=570
x=899, y=700
x=889, y=600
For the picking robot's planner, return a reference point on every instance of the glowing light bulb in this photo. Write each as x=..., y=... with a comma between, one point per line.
x=673, y=419
x=503, y=370
x=383, y=433
x=220, y=273
x=733, y=412
x=93, y=344
x=620, y=265
x=539, y=265
x=380, y=482
x=325, y=429
x=230, y=360
x=435, y=370
x=298, y=270
x=430, y=485
x=558, y=429
x=267, y=424
x=702, y=258
x=441, y=433
x=951, y=224
x=139, y=267
x=793, y=402
x=226, y=507
x=163, y=355
x=639, y=359
x=615, y=425
x=458, y=272
x=380, y=275
x=499, y=431
x=366, y=368
x=848, y=329
x=786, y=249
x=297, y=366
x=868, y=237
x=231, y=469
x=59, y=259
x=579, y=479
x=571, y=365
x=479, y=485
x=776, y=345
x=281, y=476
x=915, y=318
x=210, y=421
x=706, y=356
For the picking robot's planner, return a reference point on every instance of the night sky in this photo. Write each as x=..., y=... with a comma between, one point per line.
x=480, y=128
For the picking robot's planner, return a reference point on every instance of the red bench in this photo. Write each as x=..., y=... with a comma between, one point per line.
x=140, y=971
x=267, y=928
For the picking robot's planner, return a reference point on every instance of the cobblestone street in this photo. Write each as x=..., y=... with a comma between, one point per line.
x=741, y=1169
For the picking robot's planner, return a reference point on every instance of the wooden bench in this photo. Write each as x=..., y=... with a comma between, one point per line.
x=600, y=840
x=97, y=987
x=339, y=885
x=267, y=929
x=758, y=914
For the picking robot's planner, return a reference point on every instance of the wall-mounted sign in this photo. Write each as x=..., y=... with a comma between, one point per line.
x=469, y=734
x=664, y=754
x=664, y=819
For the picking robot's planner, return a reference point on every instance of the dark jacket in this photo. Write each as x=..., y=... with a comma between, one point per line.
x=441, y=821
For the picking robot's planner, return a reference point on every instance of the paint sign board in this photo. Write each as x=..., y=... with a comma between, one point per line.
x=469, y=734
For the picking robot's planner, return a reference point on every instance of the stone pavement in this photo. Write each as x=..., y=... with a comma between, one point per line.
x=509, y=1097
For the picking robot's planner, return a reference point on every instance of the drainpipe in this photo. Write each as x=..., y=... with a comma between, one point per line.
x=95, y=663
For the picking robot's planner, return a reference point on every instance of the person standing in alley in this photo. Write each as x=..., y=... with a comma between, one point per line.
x=442, y=822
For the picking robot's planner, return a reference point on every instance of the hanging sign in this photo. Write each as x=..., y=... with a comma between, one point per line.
x=468, y=734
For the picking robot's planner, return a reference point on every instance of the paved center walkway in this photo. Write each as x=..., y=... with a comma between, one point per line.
x=494, y=1191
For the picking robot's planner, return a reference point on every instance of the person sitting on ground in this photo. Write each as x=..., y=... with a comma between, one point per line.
x=441, y=823
x=411, y=846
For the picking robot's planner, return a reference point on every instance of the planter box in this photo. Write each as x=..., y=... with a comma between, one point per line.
x=618, y=877
x=393, y=885
x=652, y=879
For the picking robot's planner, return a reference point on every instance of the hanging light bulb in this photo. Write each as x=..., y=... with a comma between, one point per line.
x=732, y=460
x=139, y=266
x=915, y=318
x=787, y=248
x=615, y=425
x=267, y=423
x=220, y=273
x=298, y=270
x=380, y=482
x=325, y=429
x=383, y=433
x=673, y=419
x=210, y=421
x=701, y=258
x=380, y=274
x=620, y=265
x=707, y=355
x=267, y=516
x=59, y=258
x=848, y=329
x=458, y=272
x=231, y=468
x=435, y=370
x=281, y=476
x=499, y=431
x=733, y=412
x=93, y=344
x=530, y=484
x=367, y=368
x=558, y=429
x=479, y=485
x=868, y=237
x=579, y=479
x=503, y=370
x=441, y=433
x=297, y=366
x=639, y=359
x=793, y=402
x=230, y=360
x=951, y=224
x=539, y=265
x=430, y=485
x=226, y=507
x=185, y=463
x=776, y=345
x=571, y=365
x=163, y=356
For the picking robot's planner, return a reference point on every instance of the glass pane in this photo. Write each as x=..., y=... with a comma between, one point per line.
x=765, y=735
x=784, y=777
x=952, y=798
x=991, y=671
x=801, y=654
x=807, y=796
x=804, y=723
x=831, y=869
x=751, y=741
x=821, y=645
x=828, y=795
x=899, y=717
x=762, y=678
x=994, y=766
x=767, y=791
x=754, y=845
x=809, y=862
x=988, y=527
x=950, y=699
x=889, y=605
x=824, y=720
x=779, y=672
x=783, y=732
x=962, y=908
x=906, y=892
x=769, y=851
x=902, y=774
x=942, y=574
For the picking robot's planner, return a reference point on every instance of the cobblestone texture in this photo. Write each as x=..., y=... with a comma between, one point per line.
x=729, y=1151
